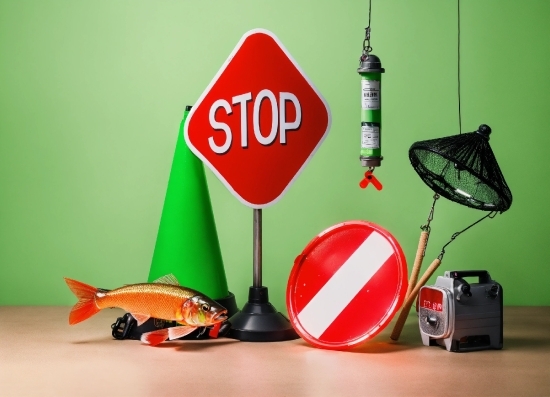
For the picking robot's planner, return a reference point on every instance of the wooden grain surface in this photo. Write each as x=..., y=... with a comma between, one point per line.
x=41, y=355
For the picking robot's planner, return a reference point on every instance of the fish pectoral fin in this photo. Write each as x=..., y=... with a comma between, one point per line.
x=180, y=331
x=140, y=318
x=168, y=279
x=153, y=338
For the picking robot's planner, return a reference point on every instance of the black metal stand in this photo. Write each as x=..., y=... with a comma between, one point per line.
x=259, y=321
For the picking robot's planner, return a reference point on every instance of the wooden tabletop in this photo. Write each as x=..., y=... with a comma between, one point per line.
x=41, y=355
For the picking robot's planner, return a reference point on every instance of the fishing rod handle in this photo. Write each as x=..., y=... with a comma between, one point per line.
x=422, y=243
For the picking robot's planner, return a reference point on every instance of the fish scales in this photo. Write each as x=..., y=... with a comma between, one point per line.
x=159, y=300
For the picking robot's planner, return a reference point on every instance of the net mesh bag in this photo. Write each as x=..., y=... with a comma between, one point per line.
x=463, y=169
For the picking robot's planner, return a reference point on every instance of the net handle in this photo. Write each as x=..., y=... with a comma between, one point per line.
x=420, y=252
x=398, y=327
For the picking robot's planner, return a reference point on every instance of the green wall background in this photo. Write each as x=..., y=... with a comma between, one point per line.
x=92, y=94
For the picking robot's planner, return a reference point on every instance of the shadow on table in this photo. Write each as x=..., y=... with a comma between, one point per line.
x=409, y=339
x=381, y=344
x=95, y=341
x=196, y=346
x=187, y=345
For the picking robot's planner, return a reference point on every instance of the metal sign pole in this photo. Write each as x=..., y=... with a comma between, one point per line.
x=257, y=248
x=259, y=321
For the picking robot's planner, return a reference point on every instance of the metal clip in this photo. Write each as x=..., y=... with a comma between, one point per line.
x=427, y=227
x=123, y=326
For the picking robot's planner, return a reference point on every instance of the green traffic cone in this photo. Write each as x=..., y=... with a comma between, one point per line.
x=187, y=242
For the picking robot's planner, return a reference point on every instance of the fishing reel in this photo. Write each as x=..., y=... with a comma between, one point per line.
x=461, y=316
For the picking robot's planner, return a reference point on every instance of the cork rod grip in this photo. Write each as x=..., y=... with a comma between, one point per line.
x=417, y=262
x=398, y=327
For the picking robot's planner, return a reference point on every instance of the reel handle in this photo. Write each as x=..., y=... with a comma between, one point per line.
x=483, y=275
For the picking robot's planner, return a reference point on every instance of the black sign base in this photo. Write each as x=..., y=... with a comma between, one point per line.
x=259, y=321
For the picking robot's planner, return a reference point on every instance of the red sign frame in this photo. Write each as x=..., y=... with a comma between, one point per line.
x=346, y=285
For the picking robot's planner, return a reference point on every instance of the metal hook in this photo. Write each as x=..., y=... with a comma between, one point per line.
x=427, y=227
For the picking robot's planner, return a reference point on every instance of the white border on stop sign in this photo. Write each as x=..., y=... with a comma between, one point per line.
x=207, y=90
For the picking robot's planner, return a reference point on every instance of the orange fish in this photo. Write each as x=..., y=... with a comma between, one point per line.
x=163, y=299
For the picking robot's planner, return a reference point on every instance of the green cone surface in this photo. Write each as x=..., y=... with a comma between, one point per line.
x=187, y=242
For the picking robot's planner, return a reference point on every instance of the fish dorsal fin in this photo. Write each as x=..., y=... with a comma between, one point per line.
x=168, y=279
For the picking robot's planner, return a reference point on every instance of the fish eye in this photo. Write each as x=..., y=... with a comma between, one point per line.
x=205, y=307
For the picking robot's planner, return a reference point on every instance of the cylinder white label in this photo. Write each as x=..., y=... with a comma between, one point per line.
x=370, y=136
x=370, y=94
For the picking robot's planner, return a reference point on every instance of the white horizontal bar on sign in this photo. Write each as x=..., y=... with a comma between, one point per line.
x=345, y=284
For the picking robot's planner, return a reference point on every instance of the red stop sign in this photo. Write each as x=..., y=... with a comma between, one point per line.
x=259, y=121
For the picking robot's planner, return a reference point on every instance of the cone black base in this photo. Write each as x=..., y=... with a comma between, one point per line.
x=259, y=321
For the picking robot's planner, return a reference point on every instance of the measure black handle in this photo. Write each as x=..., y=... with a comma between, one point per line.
x=483, y=275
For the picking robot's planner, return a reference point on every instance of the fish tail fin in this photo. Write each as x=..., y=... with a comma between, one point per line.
x=86, y=306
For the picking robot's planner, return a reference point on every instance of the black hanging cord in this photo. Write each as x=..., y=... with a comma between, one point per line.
x=491, y=215
x=459, y=111
x=370, y=8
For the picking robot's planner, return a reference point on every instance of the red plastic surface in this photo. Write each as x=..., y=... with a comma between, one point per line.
x=346, y=285
x=370, y=178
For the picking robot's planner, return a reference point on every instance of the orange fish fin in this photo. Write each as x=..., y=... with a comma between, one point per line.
x=86, y=306
x=168, y=279
x=81, y=290
x=140, y=318
x=180, y=331
x=153, y=338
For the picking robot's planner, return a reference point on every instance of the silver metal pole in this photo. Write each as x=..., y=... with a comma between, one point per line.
x=257, y=247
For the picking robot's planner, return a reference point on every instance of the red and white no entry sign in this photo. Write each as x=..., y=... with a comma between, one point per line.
x=346, y=285
x=259, y=121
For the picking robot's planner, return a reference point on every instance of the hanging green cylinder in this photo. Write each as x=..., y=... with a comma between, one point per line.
x=371, y=71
